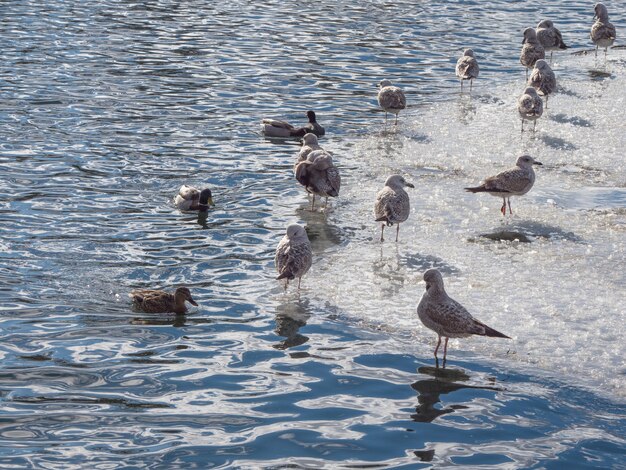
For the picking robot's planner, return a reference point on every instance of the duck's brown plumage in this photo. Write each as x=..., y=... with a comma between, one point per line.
x=158, y=301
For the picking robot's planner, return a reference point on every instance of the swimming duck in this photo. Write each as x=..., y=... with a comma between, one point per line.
x=275, y=128
x=192, y=199
x=158, y=301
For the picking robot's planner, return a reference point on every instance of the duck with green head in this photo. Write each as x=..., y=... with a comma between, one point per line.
x=192, y=199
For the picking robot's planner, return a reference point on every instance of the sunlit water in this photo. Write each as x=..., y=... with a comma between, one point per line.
x=108, y=107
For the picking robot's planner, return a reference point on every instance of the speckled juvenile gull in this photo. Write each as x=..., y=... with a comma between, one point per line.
x=392, y=204
x=293, y=254
x=309, y=144
x=549, y=37
x=446, y=317
x=532, y=50
x=515, y=181
x=542, y=79
x=602, y=32
x=530, y=106
x=467, y=67
x=391, y=99
x=276, y=128
x=319, y=176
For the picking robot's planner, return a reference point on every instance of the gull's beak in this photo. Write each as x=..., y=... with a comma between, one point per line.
x=537, y=163
x=410, y=185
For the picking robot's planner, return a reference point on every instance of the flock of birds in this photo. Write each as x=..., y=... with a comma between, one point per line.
x=314, y=169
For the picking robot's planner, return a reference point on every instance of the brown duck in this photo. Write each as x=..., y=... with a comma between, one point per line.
x=158, y=301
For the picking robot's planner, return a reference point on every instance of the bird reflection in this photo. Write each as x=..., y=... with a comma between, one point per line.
x=429, y=390
x=290, y=317
x=467, y=110
x=176, y=321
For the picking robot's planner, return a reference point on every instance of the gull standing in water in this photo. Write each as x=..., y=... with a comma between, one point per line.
x=391, y=99
x=309, y=144
x=542, y=79
x=549, y=37
x=446, y=317
x=319, y=176
x=467, y=67
x=515, y=181
x=392, y=204
x=293, y=255
x=530, y=106
x=532, y=50
x=602, y=32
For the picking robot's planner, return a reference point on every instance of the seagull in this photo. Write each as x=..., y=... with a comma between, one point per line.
x=446, y=317
x=319, y=176
x=549, y=37
x=293, y=255
x=532, y=50
x=515, y=181
x=542, y=79
x=391, y=99
x=392, y=204
x=530, y=106
x=276, y=128
x=602, y=32
x=467, y=67
x=309, y=144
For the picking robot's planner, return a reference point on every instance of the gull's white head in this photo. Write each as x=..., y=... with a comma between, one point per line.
x=526, y=161
x=542, y=65
x=433, y=278
x=468, y=52
x=309, y=139
x=529, y=35
x=531, y=91
x=397, y=181
x=296, y=232
x=545, y=24
x=384, y=83
x=601, y=12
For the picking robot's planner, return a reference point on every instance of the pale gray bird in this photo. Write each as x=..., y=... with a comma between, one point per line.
x=293, y=255
x=542, y=79
x=309, y=144
x=530, y=106
x=391, y=99
x=392, y=204
x=532, y=50
x=446, y=317
x=602, y=32
x=319, y=176
x=467, y=67
x=549, y=37
x=515, y=181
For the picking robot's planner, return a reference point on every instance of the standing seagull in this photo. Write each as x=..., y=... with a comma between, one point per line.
x=542, y=79
x=392, y=204
x=467, y=67
x=530, y=106
x=293, y=254
x=309, y=144
x=602, y=32
x=319, y=176
x=391, y=99
x=549, y=37
x=515, y=181
x=446, y=317
x=532, y=50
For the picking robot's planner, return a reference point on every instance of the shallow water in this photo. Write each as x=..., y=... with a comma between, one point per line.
x=108, y=107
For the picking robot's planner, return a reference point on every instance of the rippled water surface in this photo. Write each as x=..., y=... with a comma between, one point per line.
x=108, y=107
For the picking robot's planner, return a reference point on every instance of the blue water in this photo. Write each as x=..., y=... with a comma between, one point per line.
x=107, y=108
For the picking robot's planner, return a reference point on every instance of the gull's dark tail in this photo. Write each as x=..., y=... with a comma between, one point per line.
x=491, y=332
